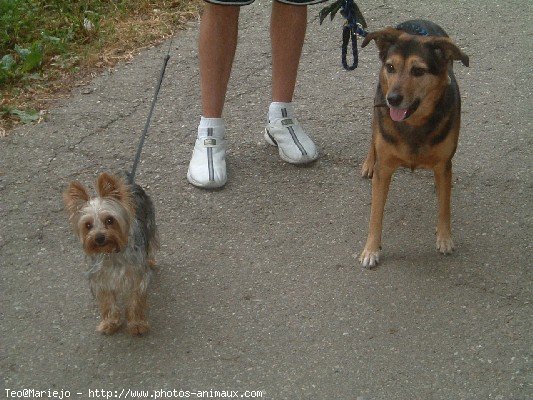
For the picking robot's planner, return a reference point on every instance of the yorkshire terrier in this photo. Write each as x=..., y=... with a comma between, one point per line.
x=119, y=237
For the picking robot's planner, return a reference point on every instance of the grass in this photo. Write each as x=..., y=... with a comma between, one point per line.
x=49, y=46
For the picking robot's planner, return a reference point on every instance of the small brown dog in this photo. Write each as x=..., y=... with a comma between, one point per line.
x=416, y=120
x=118, y=233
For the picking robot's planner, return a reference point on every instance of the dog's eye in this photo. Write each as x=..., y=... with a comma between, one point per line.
x=416, y=71
x=390, y=68
x=88, y=226
x=109, y=220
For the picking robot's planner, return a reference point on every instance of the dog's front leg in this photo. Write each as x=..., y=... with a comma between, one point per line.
x=443, y=184
x=380, y=188
x=135, y=312
x=109, y=312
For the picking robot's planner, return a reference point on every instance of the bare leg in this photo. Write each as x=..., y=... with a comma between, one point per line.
x=287, y=33
x=217, y=44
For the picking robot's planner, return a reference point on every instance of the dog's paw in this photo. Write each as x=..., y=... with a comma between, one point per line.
x=367, y=170
x=445, y=244
x=108, y=326
x=369, y=259
x=138, y=328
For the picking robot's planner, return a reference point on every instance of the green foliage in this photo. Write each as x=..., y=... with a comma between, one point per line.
x=41, y=41
x=25, y=116
x=32, y=32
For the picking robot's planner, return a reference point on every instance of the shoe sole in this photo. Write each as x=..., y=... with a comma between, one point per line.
x=210, y=185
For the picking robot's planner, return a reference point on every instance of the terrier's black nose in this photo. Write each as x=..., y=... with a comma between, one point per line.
x=99, y=239
x=394, y=99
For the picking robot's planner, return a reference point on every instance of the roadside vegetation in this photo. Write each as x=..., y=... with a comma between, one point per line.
x=49, y=46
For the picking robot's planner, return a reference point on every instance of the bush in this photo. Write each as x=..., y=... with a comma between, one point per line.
x=44, y=42
x=32, y=32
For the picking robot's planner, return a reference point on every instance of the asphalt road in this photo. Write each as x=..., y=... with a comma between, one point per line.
x=258, y=287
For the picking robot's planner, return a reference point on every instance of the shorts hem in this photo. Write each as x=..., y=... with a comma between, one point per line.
x=230, y=3
x=301, y=3
x=248, y=2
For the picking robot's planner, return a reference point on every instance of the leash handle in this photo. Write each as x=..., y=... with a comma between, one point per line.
x=349, y=34
x=355, y=25
x=147, y=124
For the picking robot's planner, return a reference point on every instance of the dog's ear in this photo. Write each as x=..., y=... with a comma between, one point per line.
x=384, y=40
x=74, y=197
x=115, y=187
x=447, y=50
x=112, y=186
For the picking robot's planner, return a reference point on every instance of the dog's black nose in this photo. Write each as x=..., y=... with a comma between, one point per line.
x=99, y=239
x=394, y=99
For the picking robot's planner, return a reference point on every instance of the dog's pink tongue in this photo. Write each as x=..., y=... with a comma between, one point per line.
x=398, y=114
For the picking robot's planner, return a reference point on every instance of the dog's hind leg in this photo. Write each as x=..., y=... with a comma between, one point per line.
x=443, y=184
x=367, y=170
x=151, y=247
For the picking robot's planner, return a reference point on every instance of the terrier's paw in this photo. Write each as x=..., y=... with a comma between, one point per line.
x=369, y=259
x=367, y=170
x=444, y=244
x=108, y=326
x=138, y=328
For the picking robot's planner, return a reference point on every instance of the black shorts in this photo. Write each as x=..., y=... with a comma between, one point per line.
x=246, y=2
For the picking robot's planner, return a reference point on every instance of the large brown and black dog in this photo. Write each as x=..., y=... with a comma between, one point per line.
x=416, y=120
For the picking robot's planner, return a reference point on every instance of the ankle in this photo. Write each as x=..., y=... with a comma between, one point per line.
x=211, y=127
x=278, y=109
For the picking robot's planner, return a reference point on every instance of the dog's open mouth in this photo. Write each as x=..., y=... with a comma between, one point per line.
x=400, y=114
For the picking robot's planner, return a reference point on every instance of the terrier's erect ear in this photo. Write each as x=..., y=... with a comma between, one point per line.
x=448, y=50
x=114, y=187
x=111, y=186
x=75, y=197
x=384, y=39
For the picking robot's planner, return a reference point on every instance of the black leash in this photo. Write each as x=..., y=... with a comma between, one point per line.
x=131, y=175
x=355, y=25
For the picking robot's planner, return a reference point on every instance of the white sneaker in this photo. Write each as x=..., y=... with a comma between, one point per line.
x=294, y=145
x=207, y=168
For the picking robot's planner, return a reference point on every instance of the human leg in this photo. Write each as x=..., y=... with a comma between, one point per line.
x=287, y=32
x=216, y=48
